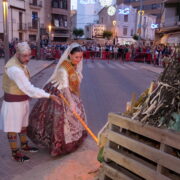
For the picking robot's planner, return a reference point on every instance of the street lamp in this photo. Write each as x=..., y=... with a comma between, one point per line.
x=5, y=28
x=114, y=24
x=49, y=29
x=141, y=13
x=38, y=39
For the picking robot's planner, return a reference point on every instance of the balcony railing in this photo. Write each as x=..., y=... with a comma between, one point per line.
x=34, y=26
x=22, y=27
x=170, y=22
x=37, y=4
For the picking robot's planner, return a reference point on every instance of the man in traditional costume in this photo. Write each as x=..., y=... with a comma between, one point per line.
x=15, y=107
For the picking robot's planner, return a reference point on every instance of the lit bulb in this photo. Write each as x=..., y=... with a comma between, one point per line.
x=111, y=11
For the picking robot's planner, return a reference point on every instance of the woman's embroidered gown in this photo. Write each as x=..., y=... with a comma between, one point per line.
x=54, y=126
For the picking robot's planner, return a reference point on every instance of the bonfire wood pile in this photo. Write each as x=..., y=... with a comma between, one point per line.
x=161, y=107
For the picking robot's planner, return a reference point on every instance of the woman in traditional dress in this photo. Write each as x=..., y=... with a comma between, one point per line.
x=53, y=125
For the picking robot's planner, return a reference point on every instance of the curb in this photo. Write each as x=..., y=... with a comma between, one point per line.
x=148, y=69
x=43, y=69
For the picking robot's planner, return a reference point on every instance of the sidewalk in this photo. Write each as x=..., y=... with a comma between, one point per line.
x=35, y=66
x=74, y=166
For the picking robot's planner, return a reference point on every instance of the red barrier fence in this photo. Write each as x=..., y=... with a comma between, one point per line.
x=52, y=53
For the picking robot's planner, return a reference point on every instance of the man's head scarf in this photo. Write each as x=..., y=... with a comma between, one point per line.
x=23, y=48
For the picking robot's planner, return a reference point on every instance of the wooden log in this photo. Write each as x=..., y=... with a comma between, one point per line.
x=134, y=166
x=146, y=151
x=162, y=135
x=114, y=174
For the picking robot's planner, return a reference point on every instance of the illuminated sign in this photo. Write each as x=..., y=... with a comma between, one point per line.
x=105, y=2
x=124, y=11
x=87, y=1
x=154, y=26
x=141, y=12
x=97, y=30
x=111, y=11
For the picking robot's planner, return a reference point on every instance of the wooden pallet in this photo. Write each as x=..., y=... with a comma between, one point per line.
x=137, y=152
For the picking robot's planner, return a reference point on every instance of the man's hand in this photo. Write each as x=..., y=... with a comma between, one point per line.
x=55, y=98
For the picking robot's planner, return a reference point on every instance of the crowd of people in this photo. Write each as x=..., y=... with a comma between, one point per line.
x=159, y=55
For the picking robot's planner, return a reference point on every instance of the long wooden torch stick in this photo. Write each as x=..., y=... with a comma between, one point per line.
x=80, y=119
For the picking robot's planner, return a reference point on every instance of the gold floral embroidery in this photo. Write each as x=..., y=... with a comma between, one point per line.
x=73, y=77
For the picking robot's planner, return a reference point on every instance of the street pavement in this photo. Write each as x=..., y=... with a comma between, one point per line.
x=74, y=166
x=106, y=87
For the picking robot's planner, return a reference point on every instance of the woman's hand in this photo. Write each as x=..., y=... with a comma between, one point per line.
x=55, y=98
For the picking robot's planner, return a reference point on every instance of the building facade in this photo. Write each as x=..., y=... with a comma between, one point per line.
x=169, y=29
x=153, y=7
x=73, y=22
x=34, y=20
x=122, y=25
x=94, y=31
x=87, y=12
x=57, y=14
x=16, y=19
x=29, y=18
x=148, y=27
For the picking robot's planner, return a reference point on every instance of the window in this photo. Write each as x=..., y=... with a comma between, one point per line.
x=147, y=7
x=132, y=32
x=125, y=18
x=32, y=37
x=59, y=20
x=137, y=7
x=156, y=6
x=55, y=4
x=34, y=20
x=20, y=36
x=125, y=29
x=65, y=21
x=102, y=20
x=20, y=20
x=62, y=4
x=34, y=2
x=60, y=31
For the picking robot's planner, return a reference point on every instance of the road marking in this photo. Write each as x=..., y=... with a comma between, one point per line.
x=100, y=65
x=120, y=66
x=90, y=65
x=129, y=66
x=111, y=65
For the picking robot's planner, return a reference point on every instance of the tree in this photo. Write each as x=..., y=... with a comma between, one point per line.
x=135, y=37
x=78, y=32
x=107, y=34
